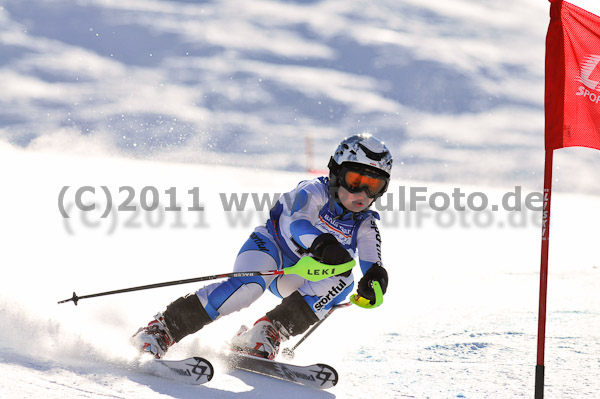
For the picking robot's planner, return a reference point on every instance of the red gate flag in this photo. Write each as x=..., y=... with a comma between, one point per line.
x=572, y=109
x=572, y=98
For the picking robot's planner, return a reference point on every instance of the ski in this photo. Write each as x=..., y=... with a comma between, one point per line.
x=320, y=376
x=197, y=370
x=194, y=370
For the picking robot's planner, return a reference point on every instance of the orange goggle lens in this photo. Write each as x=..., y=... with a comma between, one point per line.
x=356, y=182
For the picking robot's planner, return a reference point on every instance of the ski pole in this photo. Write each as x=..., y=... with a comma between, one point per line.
x=355, y=299
x=307, y=267
x=289, y=352
x=76, y=298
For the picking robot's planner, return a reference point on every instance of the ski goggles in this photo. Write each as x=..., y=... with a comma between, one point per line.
x=356, y=181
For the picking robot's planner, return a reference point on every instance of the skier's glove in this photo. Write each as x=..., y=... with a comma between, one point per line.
x=375, y=273
x=328, y=250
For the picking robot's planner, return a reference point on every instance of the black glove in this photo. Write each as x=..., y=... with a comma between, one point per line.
x=375, y=273
x=328, y=250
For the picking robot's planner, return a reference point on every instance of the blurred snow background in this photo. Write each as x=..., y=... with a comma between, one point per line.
x=454, y=87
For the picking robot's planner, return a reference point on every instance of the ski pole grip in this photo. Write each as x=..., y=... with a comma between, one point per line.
x=364, y=302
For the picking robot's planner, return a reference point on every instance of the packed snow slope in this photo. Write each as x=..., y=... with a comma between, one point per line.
x=454, y=87
x=459, y=320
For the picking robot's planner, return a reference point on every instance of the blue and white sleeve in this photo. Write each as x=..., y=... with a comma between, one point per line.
x=369, y=244
x=304, y=213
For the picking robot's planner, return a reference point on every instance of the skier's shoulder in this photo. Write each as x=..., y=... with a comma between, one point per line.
x=308, y=194
x=317, y=188
x=368, y=216
x=368, y=222
x=320, y=183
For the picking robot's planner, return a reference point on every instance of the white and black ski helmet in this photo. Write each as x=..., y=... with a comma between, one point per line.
x=364, y=153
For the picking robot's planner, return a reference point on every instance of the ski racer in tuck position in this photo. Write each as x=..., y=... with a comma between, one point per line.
x=327, y=218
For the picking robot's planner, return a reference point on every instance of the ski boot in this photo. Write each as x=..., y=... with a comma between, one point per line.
x=262, y=340
x=155, y=338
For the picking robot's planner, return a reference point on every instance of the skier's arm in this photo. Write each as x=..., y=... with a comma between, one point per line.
x=304, y=233
x=304, y=214
x=323, y=246
x=369, y=251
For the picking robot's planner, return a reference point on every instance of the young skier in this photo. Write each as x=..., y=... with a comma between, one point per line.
x=327, y=218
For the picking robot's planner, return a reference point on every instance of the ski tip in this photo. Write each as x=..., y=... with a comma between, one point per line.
x=327, y=375
x=194, y=370
x=210, y=372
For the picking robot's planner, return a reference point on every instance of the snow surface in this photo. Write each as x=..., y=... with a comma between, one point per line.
x=217, y=95
x=459, y=320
